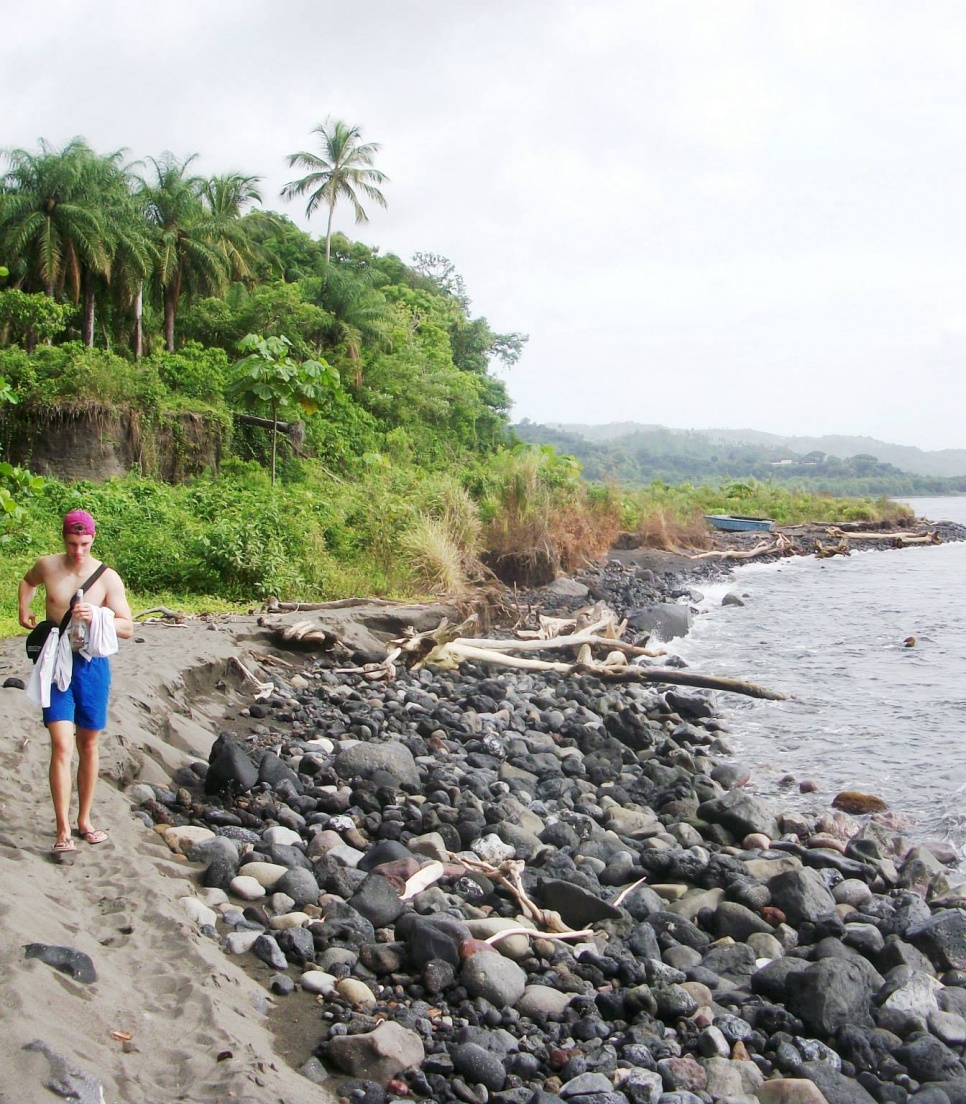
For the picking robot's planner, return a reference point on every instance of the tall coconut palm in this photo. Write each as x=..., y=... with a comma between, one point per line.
x=50, y=225
x=189, y=260
x=226, y=197
x=344, y=165
x=125, y=237
x=134, y=258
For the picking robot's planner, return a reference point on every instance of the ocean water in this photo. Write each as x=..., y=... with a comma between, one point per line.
x=865, y=712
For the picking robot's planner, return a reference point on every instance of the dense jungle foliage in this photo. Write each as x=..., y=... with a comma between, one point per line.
x=363, y=440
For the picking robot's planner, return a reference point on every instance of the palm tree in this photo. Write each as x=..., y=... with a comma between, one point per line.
x=360, y=317
x=133, y=260
x=125, y=237
x=50, y=225
x=344, y=166
x=226, y=197
x=189, y=257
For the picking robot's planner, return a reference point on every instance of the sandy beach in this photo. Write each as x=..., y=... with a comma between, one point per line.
x=198, y=1024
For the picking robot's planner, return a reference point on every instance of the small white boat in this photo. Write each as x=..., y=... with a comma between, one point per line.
x=736, y=523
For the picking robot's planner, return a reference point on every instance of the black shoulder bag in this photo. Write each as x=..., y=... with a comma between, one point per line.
x=37, y=637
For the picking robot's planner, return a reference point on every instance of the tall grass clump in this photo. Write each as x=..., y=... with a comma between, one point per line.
x=441, y=548
x=539, y=518
x=671, y=530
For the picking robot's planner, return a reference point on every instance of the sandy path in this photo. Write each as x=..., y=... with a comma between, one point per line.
x=183, y=1001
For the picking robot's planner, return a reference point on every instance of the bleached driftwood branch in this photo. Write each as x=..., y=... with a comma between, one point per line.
x=780, y=545
x=897, y=539
x=445, y=648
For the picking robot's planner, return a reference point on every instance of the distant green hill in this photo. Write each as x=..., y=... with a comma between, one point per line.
x=637, y=455
x=949, y=463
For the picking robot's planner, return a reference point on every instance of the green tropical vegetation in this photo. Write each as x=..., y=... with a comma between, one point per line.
x=249, y=411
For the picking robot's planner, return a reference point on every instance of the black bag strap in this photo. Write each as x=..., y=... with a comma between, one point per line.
x=88, y=583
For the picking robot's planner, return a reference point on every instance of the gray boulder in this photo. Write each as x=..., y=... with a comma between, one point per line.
x=664, y=620
x=778, y=978
x=943, y=938
x=230, y=769
x=802, y=895
x=364, y=759
x=378, y=1055
x=377, y=900
x=731, y=918
x=495, y=978
x=833, y=993
x=835, y=1086
x=741, y=814
x=300, y=885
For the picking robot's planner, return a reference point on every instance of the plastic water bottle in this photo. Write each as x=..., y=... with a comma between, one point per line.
x=78, y=629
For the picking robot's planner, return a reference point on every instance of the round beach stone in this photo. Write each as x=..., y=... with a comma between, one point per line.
x=378, y=1055
x=140, y=792
x=494, y=978
x=643, y=1086
x=198, y=912
x=586, y=1086
x=289, y=920
x=269, y=952
x=479, y=1066
x=219, y=848
x=356, y=993
x=516, y=947
x=362, y=760
x=491, y=849
x=249, y=889
x=266, y=874
x=318, y=981
x=183, y=838
x=284, y=837
x=240, y=942
x=540, y=1001
x=212, y=897
x=298, y=884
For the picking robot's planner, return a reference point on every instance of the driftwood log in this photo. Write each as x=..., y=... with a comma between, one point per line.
x=273, y=605
x=779, y=545
x=444, y=647
x=897, y=540
x=307, y=635
x=826, y=551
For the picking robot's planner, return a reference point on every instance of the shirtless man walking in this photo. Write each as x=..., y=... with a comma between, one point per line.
x=82, y=707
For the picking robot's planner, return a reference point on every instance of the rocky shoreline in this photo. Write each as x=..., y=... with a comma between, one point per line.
x=672, y=938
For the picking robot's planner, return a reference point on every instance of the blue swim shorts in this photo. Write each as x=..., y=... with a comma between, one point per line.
x=85, y=700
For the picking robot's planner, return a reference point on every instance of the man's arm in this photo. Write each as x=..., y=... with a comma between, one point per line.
x=116, y=599
x=25, y=594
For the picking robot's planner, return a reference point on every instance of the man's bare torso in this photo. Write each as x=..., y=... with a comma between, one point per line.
x=61, y=581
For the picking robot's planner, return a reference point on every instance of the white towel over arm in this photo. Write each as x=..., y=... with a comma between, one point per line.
x=101, y=634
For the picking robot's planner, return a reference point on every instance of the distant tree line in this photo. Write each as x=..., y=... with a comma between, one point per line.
x=640, y=458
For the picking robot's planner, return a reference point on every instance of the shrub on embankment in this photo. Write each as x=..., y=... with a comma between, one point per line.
x=394, y=530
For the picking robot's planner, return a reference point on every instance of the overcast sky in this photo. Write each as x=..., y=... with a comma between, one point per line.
x=741, y=214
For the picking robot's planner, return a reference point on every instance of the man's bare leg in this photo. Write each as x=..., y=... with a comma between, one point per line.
x=87, y=768
x=61, y=755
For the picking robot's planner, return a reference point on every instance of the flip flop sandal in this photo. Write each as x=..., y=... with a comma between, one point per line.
x=95, y=835
x=62, y=846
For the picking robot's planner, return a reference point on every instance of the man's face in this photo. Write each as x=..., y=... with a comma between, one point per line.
x=77, y=546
